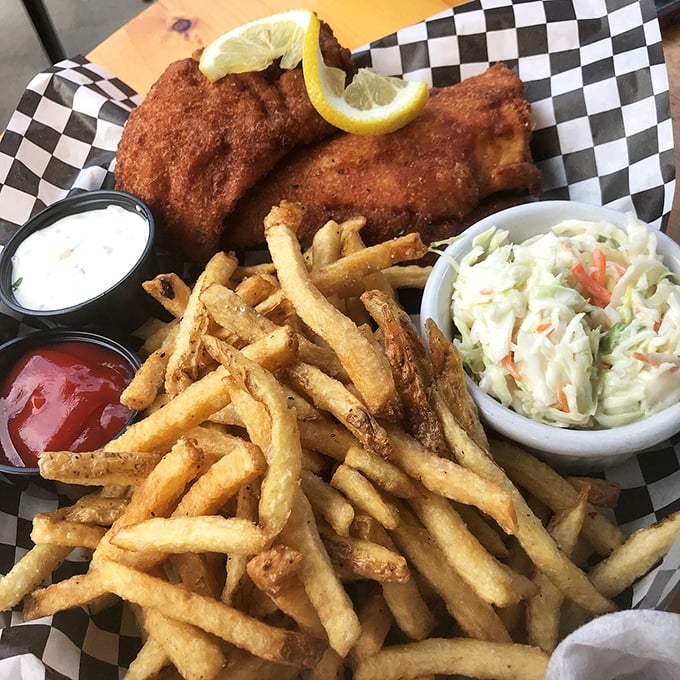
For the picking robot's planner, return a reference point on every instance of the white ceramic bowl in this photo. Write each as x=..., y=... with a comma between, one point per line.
x=577, y=450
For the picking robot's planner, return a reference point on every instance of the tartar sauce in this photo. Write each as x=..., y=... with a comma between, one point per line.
x=77, y=257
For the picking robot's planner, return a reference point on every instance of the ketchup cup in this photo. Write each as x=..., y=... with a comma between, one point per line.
x=60, y=390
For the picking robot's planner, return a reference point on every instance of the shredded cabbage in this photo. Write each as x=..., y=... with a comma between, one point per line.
x=578, y=327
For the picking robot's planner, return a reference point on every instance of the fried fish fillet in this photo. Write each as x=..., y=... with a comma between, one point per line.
x=466, y=154
x=192, y=148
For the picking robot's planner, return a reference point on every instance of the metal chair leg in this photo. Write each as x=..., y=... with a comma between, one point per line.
x=44, y=27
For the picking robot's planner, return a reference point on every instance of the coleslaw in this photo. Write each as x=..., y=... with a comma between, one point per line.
x=578, y=327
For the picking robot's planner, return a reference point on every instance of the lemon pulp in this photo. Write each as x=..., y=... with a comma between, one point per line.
x=371, y=104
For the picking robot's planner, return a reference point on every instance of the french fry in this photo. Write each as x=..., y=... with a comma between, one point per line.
x=549, y=486
x=96, y=468
x=326, y=593
x=261, y=639
x=197, y=574
x=345, y=276
x=328, y=503
x=326, y=246
x=195, y=654
x=246, y=667
x=276, y=572
x=365, y=367
x=489, y=536
x=96, y=509
x=170, y=291
x=382, y=473
x=407, y=275
x=330, y=667
x=284, y=454
x=278, y=309
x=476, y=617
x=543, y=609
x=73, y=592
x=365, y=558
x=493, y=582
x=147, y=382
x=447, y=478
x=602, y=493
x=156, y=496
x=364, y=496
x=29, y=572
x=53, y=529
x=222, y=480
x=230, y=311
x=532, y=535
x=186, y=358
x=314, y=462
x=192, y=534
x=246, y=508
x=411, y=368
x=331, y=395
x=253, y=289
x=161, y=429
x=641, y=550
x=456, y=656
x=273, y=351
x=148, y=328
x=376, y=622
x=162, y=338
x=409, y=611
x=451, y=383
x=150, y=660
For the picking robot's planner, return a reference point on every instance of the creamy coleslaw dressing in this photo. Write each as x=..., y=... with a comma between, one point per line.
x=578, y=327
x=77, y=257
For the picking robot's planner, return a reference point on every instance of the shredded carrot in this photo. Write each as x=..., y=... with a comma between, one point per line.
x=562, y=399
x=655, y=359
x=599, y=266
x=486, y=291
x=510, y=367
x=600, y=296
x=543, y=327
x=620, y=271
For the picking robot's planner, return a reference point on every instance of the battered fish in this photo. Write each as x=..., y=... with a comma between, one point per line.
x=193, y=148
x=465, y=155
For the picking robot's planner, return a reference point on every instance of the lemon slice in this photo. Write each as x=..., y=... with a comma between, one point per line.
x=371, y=104
x=257, y=44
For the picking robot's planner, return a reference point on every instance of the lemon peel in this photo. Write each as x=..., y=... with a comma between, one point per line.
x=370, y=104
x=256, y=45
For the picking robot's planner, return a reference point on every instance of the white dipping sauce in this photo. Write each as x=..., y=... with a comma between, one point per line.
x=77, y=257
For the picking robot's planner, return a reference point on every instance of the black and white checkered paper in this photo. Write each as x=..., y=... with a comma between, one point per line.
x=595, y=76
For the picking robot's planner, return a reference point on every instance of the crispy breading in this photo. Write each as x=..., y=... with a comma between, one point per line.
x=470, y=143
x=192, y=148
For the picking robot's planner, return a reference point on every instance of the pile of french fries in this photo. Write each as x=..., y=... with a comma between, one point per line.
x=309, y=490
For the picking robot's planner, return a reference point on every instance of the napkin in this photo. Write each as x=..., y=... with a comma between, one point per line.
x=629, y=644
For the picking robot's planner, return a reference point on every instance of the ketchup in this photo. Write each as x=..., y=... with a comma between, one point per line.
x=61, y=397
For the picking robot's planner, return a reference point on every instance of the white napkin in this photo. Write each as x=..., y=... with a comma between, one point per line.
x=641, y=643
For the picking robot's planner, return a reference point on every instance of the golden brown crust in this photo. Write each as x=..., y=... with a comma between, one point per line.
x=469, y=145
x=192, y=148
